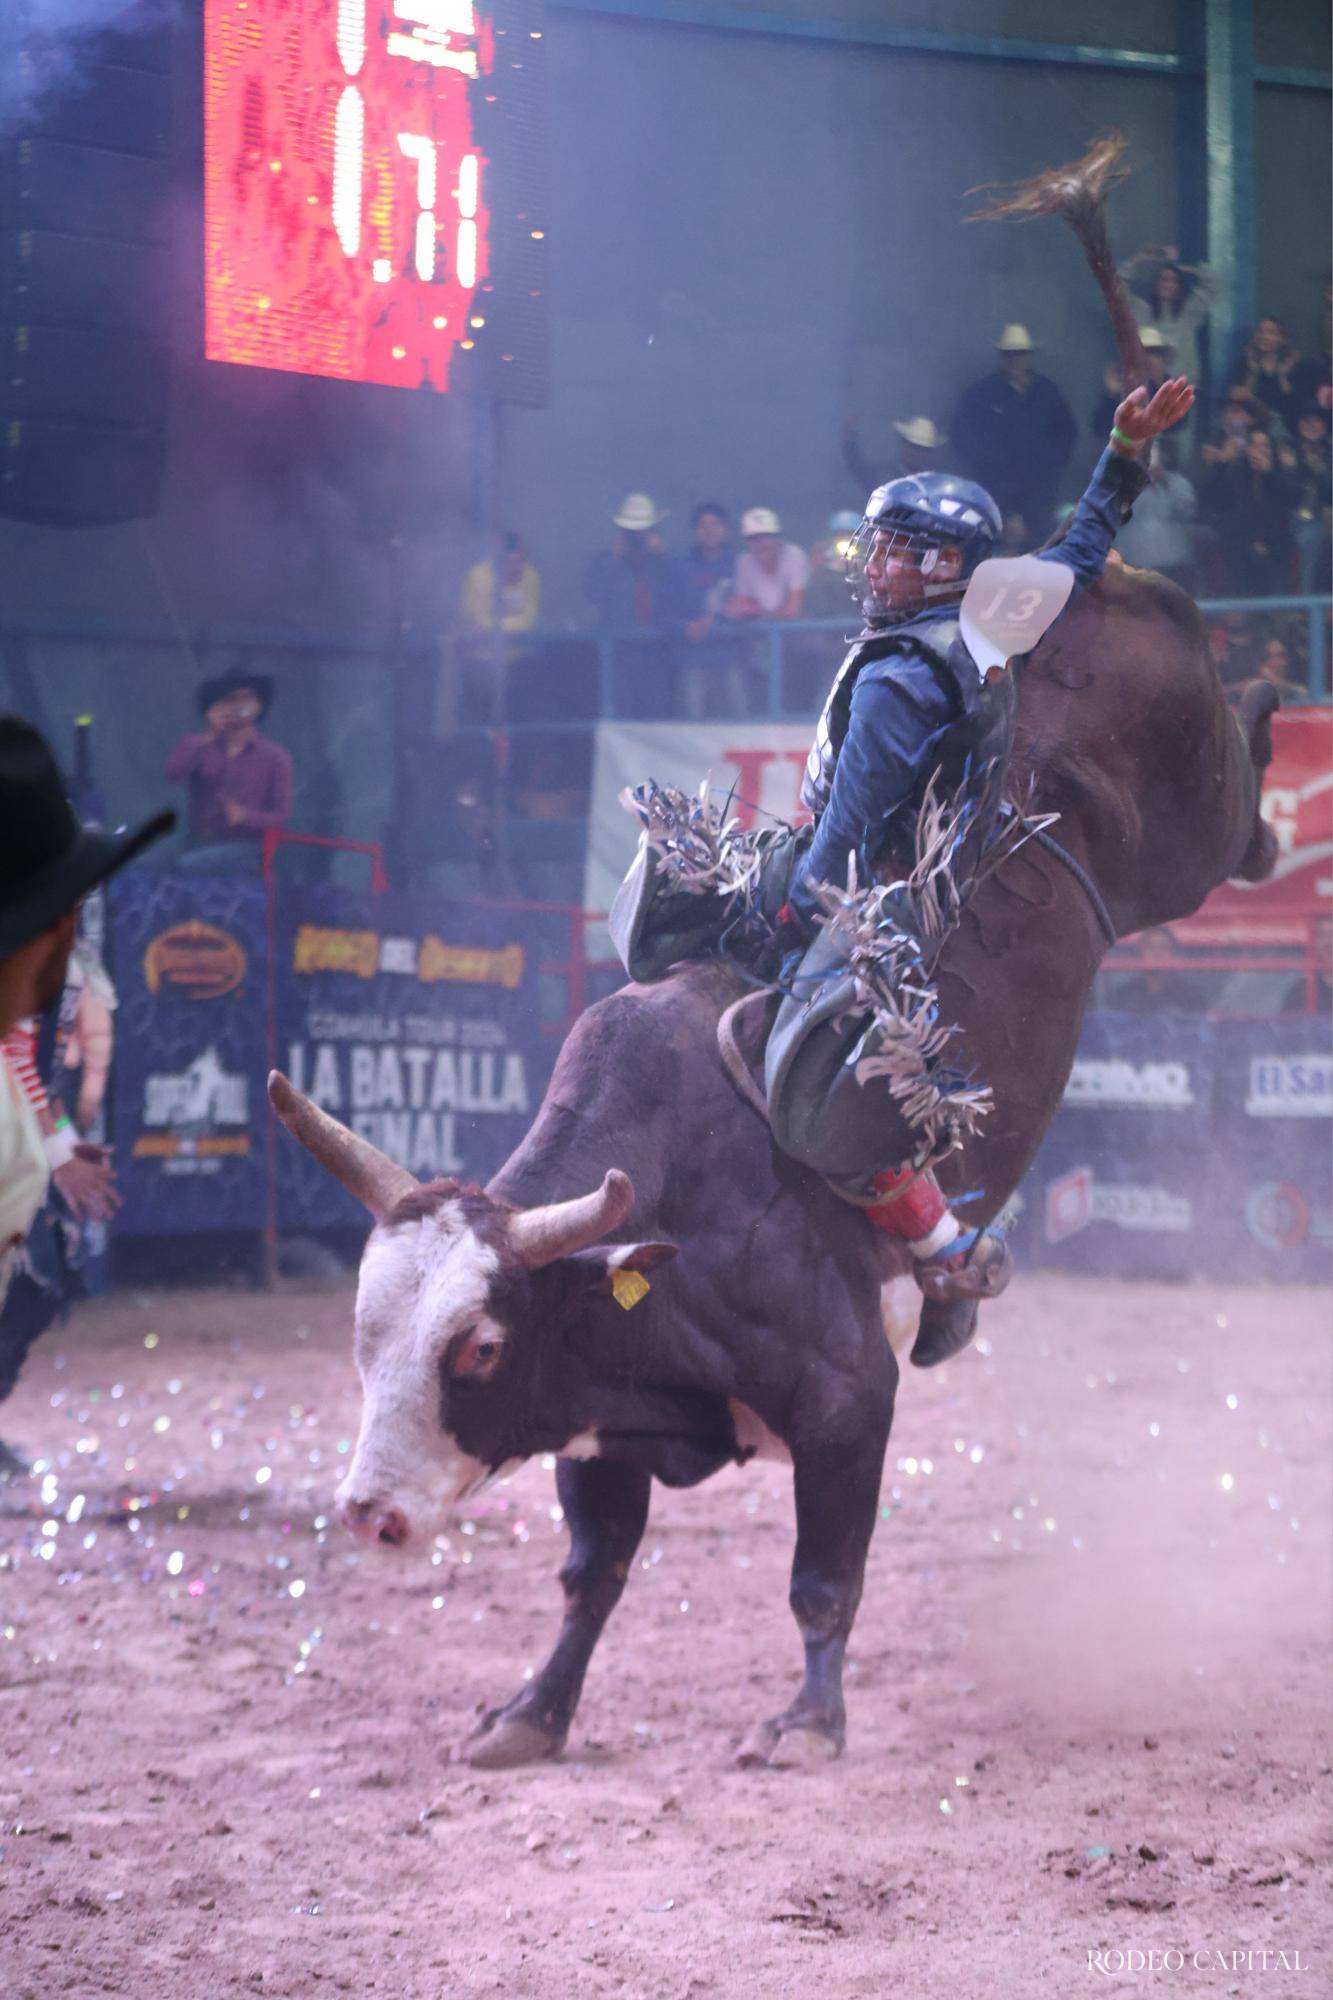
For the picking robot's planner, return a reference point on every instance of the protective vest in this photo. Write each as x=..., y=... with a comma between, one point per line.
x=985, y=709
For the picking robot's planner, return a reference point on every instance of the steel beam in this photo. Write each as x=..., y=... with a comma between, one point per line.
x=921, y=41
x=1228, y=32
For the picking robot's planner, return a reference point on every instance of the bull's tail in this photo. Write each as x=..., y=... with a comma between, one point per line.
x=1078, y=193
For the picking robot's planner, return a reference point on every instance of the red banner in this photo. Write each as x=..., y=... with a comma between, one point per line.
x=1298, y=804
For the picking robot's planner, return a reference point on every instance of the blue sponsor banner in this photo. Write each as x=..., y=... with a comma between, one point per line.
x=1274, y=1128
x=419, y=1023
x=187, y=957
x=1187, y=1147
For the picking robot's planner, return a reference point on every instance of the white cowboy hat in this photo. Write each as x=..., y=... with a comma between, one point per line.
x=921, y=432
x=1015, y=339
x=638, y=513
x=760, y=521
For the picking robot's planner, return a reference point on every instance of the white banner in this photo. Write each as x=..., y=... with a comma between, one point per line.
x=760, y=763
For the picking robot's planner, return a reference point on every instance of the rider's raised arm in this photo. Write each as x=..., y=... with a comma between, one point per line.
x=1116, y=483
x=1118, y=478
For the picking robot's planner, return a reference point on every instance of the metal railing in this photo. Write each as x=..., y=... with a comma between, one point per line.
x=764, y=651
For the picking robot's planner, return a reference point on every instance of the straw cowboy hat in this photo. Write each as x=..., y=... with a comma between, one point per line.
x=1015, y=339
x=638, y=513
x=48, y=859
x=1151, y=336
x=921, y=432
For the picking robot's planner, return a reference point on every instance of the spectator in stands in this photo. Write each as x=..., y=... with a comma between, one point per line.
x=634, y=585
x=239, y=783
x=1229, y=644
x=1162, y=984
x=920, y=449
x=1274, y=666
x=771, y=574
x=1313, y=378
x=1308, y=463
x=499, y=602
x=1249, y=502
x=827, y=594
x=1177, y=299
x=1240, y=413
x=710, y=676
x=706, y=570
x=1268, y=369
x=1160, y=357
x=1013, y=431
x=805, y=655
x=637, y=597
x=1160, y=533
x=503, y=597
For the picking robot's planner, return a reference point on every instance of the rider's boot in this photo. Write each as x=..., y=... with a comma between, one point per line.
x=950, y=1263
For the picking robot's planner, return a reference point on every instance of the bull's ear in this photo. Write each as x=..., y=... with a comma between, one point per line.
x=600, y=1267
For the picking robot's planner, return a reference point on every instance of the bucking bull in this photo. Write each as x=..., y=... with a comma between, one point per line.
x=709, y=1299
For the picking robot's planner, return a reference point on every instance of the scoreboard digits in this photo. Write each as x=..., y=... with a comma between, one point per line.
x=347, y=226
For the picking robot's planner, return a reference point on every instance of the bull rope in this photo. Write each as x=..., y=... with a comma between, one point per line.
x=733, y=1056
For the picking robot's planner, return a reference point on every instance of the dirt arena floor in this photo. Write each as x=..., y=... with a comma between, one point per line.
x=1088, y=1741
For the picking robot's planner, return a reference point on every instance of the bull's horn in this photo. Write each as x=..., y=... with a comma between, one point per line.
x=540, y=1235
x=363, y=1170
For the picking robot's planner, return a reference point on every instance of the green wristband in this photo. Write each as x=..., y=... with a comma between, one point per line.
x=1118, y=437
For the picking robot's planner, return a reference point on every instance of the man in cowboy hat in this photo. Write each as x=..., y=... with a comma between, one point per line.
x=920, y=443
x=638, y=593
x=239, y=782
x=48, y=863
x=1013, y=432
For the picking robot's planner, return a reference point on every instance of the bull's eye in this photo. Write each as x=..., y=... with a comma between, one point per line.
x=487, y=1349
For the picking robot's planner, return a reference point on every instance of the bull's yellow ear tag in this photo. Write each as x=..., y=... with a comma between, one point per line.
x=628, y=1287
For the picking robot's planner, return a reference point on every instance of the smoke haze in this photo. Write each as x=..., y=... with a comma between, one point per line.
x=45, y=45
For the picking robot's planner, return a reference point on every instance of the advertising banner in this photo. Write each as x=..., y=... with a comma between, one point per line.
x=1298, y=804
x=186, y=953
x=1120, y=1184
x=1274, y=1188
x=1189, y=1147
x=417, y=1022
x=757, y=764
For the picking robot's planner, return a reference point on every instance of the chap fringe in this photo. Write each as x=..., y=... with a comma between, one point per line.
x=893, y=934
x=699, y=850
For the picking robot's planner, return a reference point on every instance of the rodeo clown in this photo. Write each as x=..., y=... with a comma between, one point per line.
x=906, y=771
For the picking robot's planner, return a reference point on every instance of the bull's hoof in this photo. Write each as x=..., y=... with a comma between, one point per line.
x=946, y=1326
x=13, y=1465
x=816, y=1735
x=501, y=1741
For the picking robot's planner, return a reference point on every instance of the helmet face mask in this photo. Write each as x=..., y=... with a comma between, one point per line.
x=891, y=571
x=895, y=563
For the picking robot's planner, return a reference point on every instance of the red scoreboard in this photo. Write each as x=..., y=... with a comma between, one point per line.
x=372, y=202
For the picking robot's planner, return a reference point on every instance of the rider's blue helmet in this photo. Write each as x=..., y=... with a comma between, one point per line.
x=941, y=506
x=922, y=512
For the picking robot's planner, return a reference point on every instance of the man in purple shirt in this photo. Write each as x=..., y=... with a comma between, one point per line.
x=239, y=782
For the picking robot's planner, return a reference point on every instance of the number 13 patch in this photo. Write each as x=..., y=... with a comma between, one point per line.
x=1011, y=601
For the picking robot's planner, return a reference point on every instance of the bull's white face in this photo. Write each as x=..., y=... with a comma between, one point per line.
x=423, y=1285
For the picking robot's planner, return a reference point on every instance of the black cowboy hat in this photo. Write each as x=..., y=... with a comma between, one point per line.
x=222, y=686
x=48, y=859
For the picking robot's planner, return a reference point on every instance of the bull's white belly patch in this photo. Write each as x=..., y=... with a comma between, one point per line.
x=586, y=1445
x=900, y=1310
x=753, y=1434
